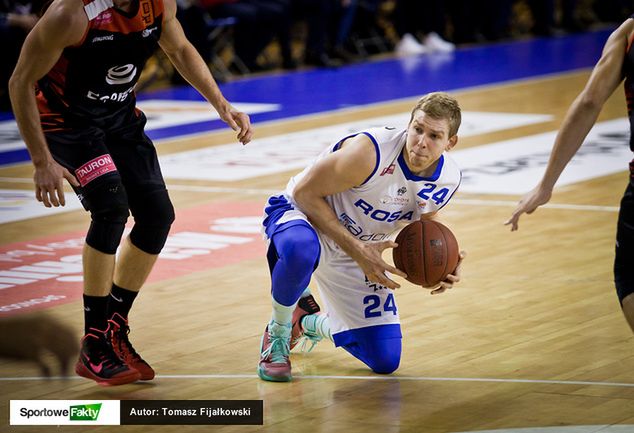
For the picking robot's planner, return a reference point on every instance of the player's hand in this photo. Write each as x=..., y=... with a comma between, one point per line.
x=32, y=337
x=528, y=204
x=49, y=183
x=373, y=265
x=240, y=122
x=451, y=278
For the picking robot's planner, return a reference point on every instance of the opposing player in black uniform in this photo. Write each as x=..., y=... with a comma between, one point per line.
x=615, y=65
x=72, y=93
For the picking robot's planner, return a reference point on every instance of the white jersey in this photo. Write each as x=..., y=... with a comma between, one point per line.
x=390, y=197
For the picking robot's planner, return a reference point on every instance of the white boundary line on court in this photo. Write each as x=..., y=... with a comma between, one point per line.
x=379, y=378
x=256, y=191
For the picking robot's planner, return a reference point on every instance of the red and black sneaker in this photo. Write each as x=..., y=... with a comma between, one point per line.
x=118, y=333
x=305, y=306
x=99, y=362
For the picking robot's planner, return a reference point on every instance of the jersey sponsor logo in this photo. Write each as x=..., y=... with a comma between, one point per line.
x=388, y=170
x=103, y=38
x=95, y=168
x=147, y=32
x=114, y=97
x=121, y=74
x=381, y=214
x=394, y=201
x=357, y=231
x=103, y=18
x=374, y=286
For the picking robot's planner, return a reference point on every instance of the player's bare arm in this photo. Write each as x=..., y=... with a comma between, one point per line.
x=583, y=113
x=346, y=168
x=193, y=68
x=64, y=24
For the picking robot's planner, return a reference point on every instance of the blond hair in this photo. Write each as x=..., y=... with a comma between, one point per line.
x=440, y=105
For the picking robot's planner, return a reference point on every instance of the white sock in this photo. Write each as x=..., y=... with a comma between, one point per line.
x=282, y=314
x=318, y=324
x=305, y=293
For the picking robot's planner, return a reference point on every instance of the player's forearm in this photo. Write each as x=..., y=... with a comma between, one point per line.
x=193, y=68
x=28, y=119
x=325, y=220
x=576, y=126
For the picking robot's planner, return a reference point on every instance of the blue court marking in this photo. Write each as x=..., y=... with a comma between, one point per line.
x=14, y=156
x=321, y=90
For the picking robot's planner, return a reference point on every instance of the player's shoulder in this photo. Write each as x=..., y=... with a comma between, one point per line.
x=625, y=30
x=451, y=169
x=69, y=14
x=383, y=133
x=67, y=8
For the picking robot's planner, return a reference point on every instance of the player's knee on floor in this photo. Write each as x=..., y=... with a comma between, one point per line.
x=385, y=363
x=153, y=214
x=382, y=356
x=108, y=205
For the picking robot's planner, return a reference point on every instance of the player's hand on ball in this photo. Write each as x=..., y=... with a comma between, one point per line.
x=452, y=278
x=373, y=265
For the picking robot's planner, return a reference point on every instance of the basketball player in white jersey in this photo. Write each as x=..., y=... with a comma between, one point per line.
x=332, y=223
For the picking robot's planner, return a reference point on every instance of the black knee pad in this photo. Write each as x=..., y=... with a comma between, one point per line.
x=623, y=262
x=153, y=216
x=108, y=205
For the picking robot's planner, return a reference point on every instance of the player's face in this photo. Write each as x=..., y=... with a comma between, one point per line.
x=427, y=139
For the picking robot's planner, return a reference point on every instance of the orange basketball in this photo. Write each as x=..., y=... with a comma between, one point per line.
x=427, y=252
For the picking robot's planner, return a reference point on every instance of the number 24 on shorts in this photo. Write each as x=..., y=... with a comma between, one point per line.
x=373, y=308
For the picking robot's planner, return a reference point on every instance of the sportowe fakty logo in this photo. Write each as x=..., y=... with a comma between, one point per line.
x=80, y=412
x=121, y=74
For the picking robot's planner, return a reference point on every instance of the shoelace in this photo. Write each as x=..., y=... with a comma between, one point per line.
x=278, y=350
x=108, y=357
x=109, y=360
x=123, y=343
x=308, y=338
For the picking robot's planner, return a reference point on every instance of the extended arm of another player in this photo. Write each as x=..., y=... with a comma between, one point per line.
x=344, y=169
x=192, y=67
x=62, y=25
x=582, y=114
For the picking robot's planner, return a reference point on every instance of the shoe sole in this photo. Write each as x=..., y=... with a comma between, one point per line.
x=146, y=372
x=147, y=376
x=123, y=379
x=268, y=378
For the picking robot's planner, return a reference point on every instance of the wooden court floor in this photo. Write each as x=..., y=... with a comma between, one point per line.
x=532, y=337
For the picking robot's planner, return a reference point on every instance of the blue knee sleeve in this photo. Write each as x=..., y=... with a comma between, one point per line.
x=382, y=356
x=293, y=256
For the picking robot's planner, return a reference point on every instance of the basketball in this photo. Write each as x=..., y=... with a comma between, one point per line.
x=427, y=252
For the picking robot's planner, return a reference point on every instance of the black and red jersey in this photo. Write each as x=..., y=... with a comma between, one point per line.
x=93, y=82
